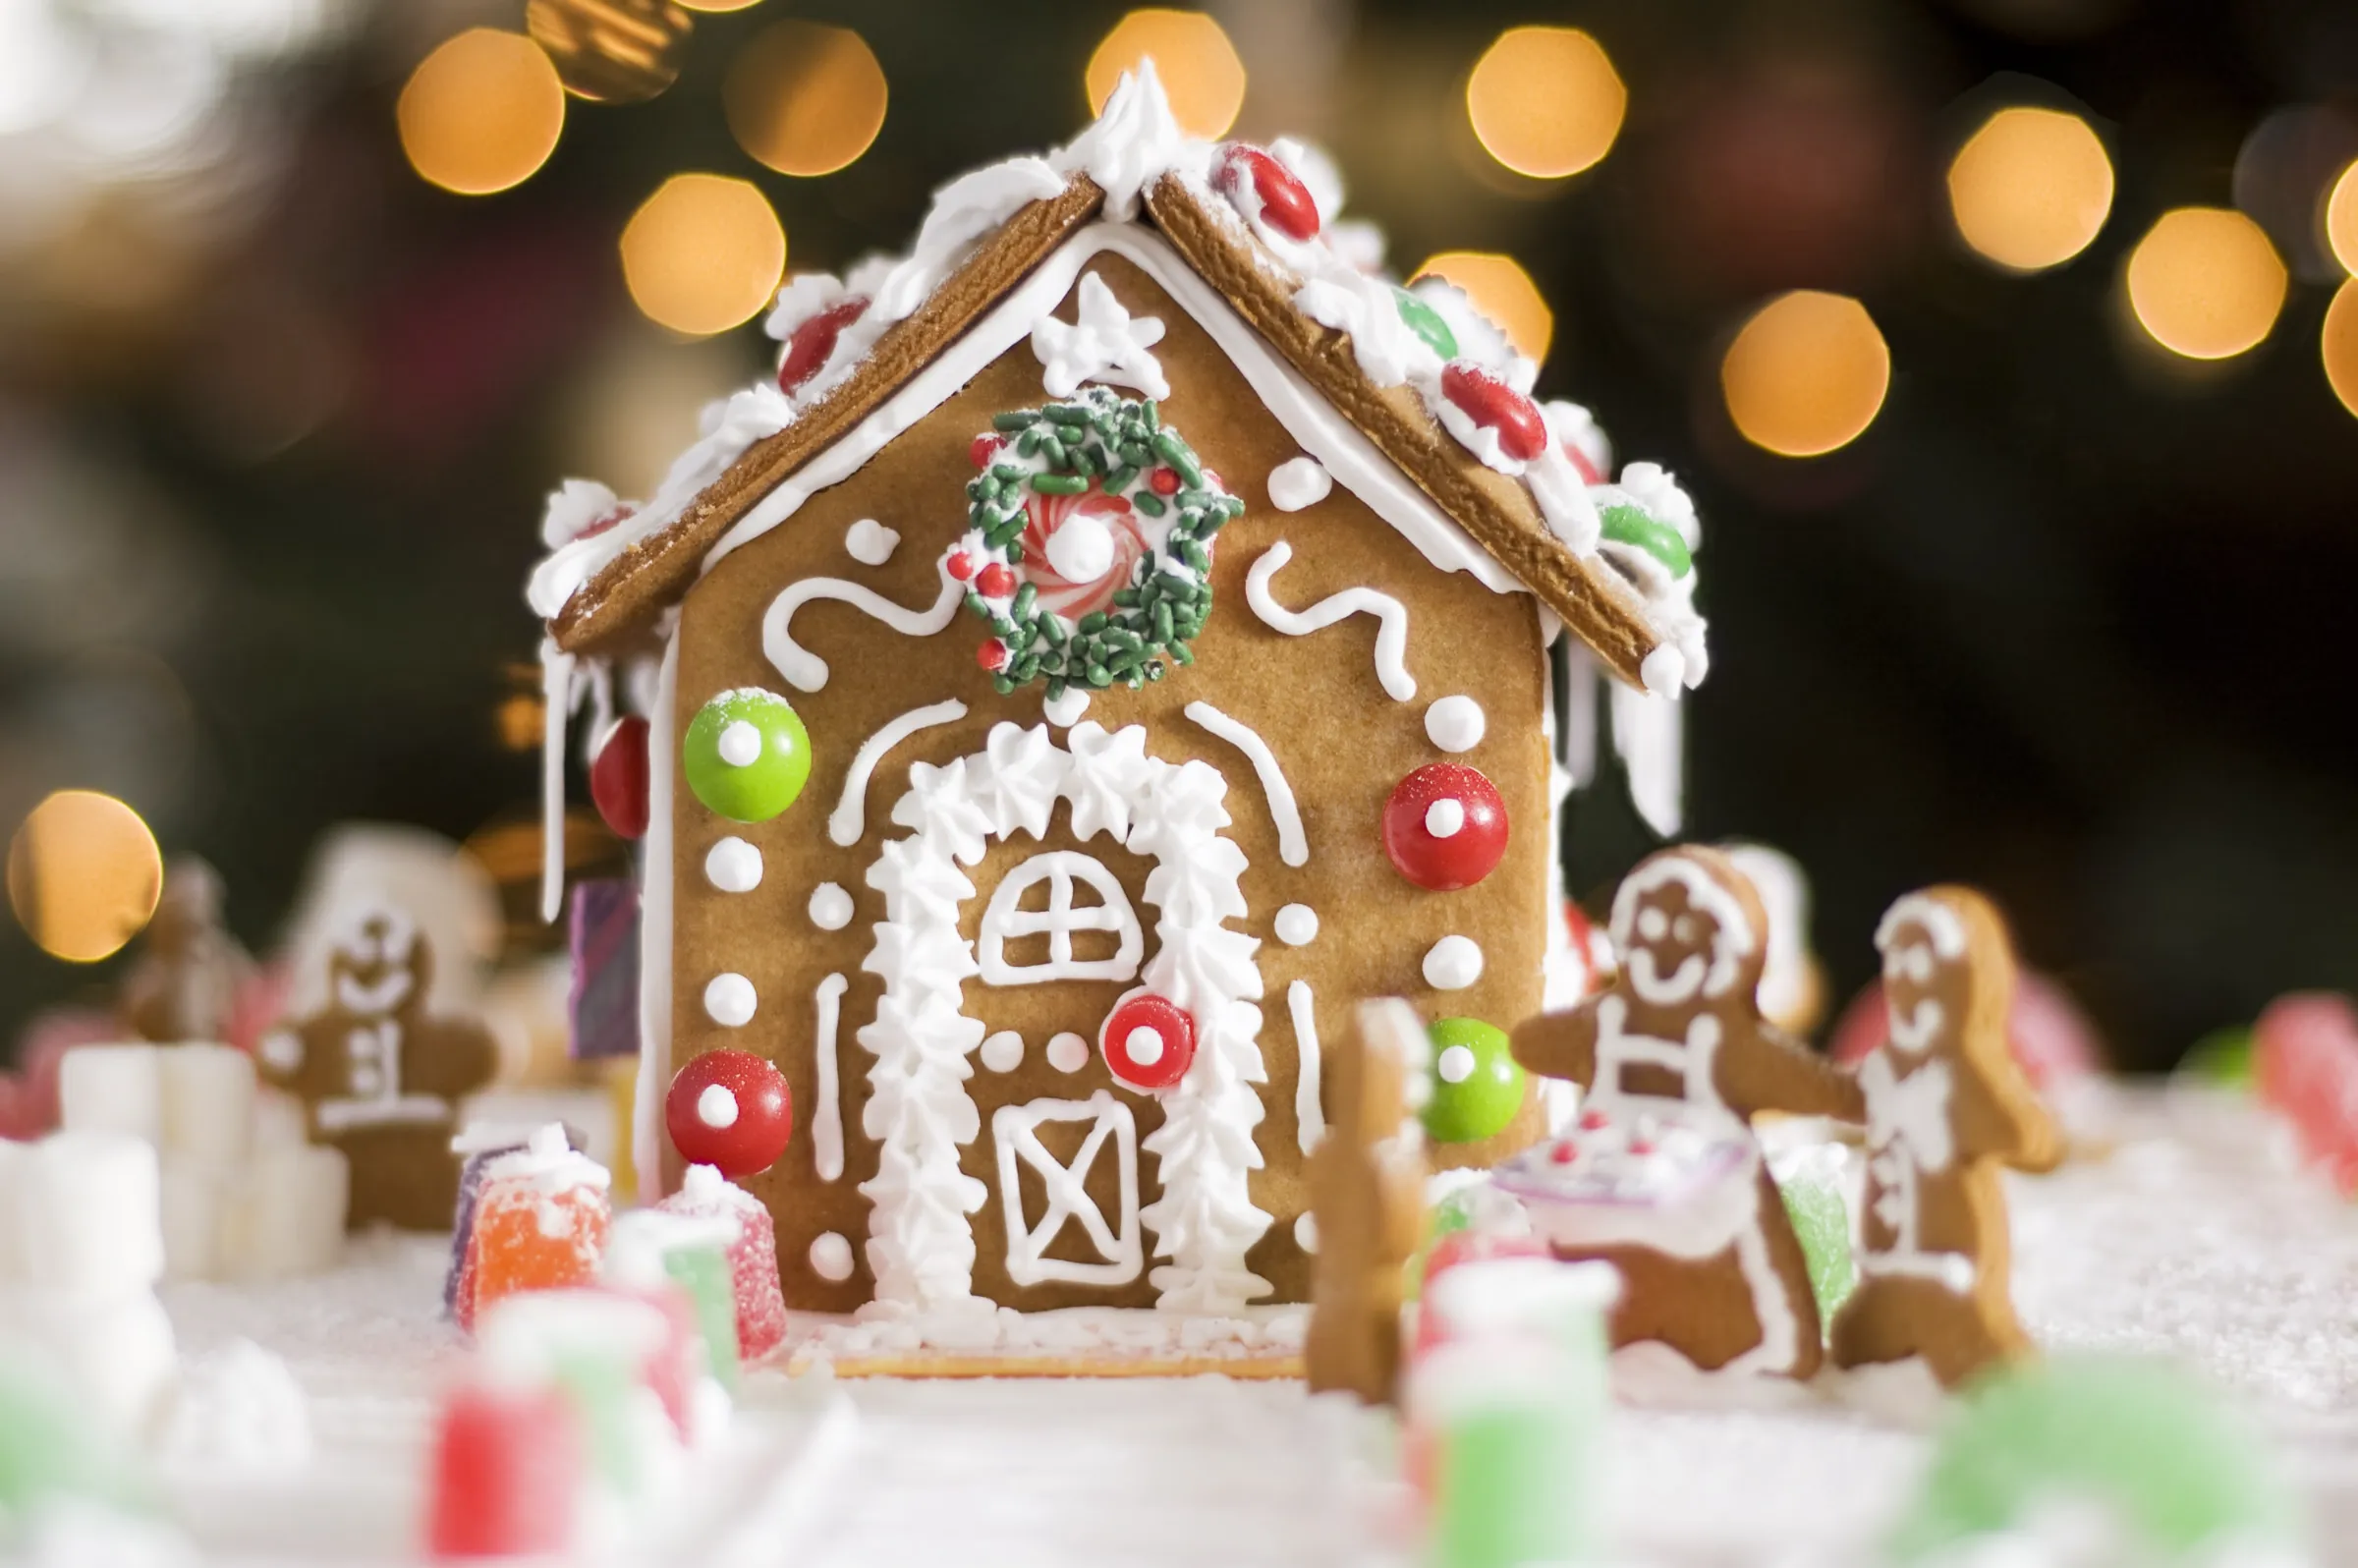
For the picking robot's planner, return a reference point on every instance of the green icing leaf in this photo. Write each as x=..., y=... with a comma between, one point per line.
x=1627, y=525
x=1425, y=322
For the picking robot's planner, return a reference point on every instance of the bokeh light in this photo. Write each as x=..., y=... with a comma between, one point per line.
x=2031, y=188
x=2342, y=219
x=1199, y=67
x=1806, y=375
x=719, y=6
x=1500, y=290
x=481, y=113
x=2206, y=283
x=611, y=52
x=1546, y=101
x=805, y=98
x=2340, y=344
x=704, y=253
x=83, y=874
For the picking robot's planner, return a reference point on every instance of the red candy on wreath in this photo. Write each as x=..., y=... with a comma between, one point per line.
x=994, y=582
x=1495, y=406
x=618, y=774
x=729, y=1109
x=1261, y=187
x=983, y=448
x=812, y=344
x=1147, y=1041
x=992, y=654
x=1444, y=828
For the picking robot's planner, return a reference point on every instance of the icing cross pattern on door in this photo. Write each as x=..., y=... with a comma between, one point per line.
x=1060, y=869
x=1016, y=1131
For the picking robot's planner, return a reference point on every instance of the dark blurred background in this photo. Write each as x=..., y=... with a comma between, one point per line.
x=2066, y=618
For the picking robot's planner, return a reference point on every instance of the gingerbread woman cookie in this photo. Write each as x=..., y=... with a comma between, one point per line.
x=190, y=970
x=1661, y=1175
x=1366, y=1198
x=380, y=1078
x=1946, y=1107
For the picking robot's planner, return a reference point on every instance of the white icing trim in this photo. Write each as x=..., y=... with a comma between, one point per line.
x=1002, y=917
x=1939, y=922
x=1104, y=343
x=1649, y=736
x=1293, y=845
x=1453, y=963
x=556, y=702
x=1310, y=1112
x=831, y=1257
x=1296, y=925
x=733, y=866
x=805, y=670
x=826, y=1117
x=729, y=1000
x=1003, y=1053
x=1391, y=637
x=870, y=542
x=1456, y=723
x=654, y=928
x=830, y=906
x=1734, y=942
x=1015, y=1129
x=848, y=821
x=1067, y=1051
x=1297, y=482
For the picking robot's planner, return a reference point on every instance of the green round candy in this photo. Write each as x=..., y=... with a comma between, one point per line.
x=2222, y=1057
x=1476, y=1083
x=1425, y=322
x=1628, y=525
x=748, y=755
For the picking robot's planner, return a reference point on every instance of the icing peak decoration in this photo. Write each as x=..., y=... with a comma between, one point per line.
x=1089, y=545
x=1107, y=343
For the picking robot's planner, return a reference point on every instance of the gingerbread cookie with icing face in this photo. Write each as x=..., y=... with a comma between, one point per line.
x=380, y=1078
x=1946, y=1107
x=1366, y=1197
x=1660, y=1175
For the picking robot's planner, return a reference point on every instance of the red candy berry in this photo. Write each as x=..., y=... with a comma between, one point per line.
x=729, y=1109
x=1495, y=406
x=1261, y=187
x=618, y=777
x=983, y=448
x=994, y=582
x=1444, y=827
x=1163, y=481
x=611, y=518
x=1588, y=471
x=992, y=655
x=1147, y=1041
x=960, y=565
x=810, y=346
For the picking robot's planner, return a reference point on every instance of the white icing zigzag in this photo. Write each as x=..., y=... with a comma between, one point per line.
x=1392, y=640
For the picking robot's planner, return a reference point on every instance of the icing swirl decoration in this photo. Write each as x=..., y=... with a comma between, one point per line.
x=1088, y=551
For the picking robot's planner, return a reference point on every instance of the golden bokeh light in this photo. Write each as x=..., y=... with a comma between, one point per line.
x=805, y=98
x=84, y=875
x=481, y=113
x=2340, y=344
x=719, y=7
x=704, y=253
x=1500, y=290
x=1199, y=67
x=1546, y=101
x=1806, y=375
x=2206, y=283
x=2342, y=219
x=612, y=51
x=2031, y=188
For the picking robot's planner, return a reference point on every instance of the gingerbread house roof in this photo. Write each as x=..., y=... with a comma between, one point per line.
x=1432, y=387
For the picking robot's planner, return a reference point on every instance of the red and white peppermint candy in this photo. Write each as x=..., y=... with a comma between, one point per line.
x=1079, y=550
x=812, y=344
x=1264, y=190
x=1492, y=405
x=1147, y=1041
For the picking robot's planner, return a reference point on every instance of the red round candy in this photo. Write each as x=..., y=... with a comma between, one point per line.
x=991, y=656
x=729, y=1109
x=1444, y=827
x=959, y=565
x=810, y=345
x=1284, y=201
x=1495, y=406
x=1147, y=1041
x=618, y=777
x=983, y=448
x=994, y=582
x=1163, y=481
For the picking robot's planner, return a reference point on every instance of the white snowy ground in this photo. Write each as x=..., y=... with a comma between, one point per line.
x=2191, y=1240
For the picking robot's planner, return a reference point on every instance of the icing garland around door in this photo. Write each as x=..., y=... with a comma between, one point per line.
x=1088, y=549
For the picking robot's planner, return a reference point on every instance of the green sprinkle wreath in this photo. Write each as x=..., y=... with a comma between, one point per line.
x=1089, y=551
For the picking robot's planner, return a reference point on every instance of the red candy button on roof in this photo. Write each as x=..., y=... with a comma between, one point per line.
x=1262, y=188
x=810, y=346
x=1495, y=406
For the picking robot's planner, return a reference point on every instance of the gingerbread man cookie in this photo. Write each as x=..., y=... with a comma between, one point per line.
x=1366, y=1198
x=380, y=1078
x=1661, y=1175
x=1947, y=1106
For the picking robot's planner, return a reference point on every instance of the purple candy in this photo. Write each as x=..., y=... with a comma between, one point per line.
x=604, y=1005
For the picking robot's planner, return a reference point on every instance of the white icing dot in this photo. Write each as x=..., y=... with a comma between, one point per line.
x=283, y=1050
x=1455, y=724
x=740, y=743
x=870, y=542
x=1065, y=711
x=1143, y=1045
x=716, y=1107
x=1444, y=816
x=830, y=907
x=1456, y=1064
x=729, y=1000
x=1306, y=1231
x=1665, y=671
x=1068, y=1052
x=1003, y=1053
x=1454, y=964
x=733, y=866
x=1299, y=482
x=830, y=1257
x=1081, y=548
x=1296, y=924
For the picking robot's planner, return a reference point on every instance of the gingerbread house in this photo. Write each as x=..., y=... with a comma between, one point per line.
x=1117, y=641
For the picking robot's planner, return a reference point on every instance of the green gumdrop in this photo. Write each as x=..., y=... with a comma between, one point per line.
x=1821, y=1225
x=1425, y=322
x=703, y=1273
x=1509, y=1492
x=2222, y=1057
x=602, y=1388
x=1628, y=525
x=1487, y=1091
x=2139, y=1438
x=50, y=1448
x=746, y=778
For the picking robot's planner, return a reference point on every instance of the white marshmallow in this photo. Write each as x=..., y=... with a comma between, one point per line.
x=208, y=1101
x=190, y=1208
x=112, y=1089
x=287, y=1216
x=90, y=1209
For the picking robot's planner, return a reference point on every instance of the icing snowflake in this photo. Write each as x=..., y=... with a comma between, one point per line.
x=1106, y=344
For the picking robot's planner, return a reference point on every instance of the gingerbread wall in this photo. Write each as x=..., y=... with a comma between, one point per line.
x=1343, y=743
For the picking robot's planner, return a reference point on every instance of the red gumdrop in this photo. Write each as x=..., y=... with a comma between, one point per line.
x=810, y=345
x=2304, y=1066
x=1285, y=201
x=1444, y=827
x=618, y=777
x=1147, y=1041
x=994, y=582
x=1163, y=481
x=959, y=565
x=992, y=655
x=1495, y=406
x=983, y=448
x=729, y=1109
x=507, y=1472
